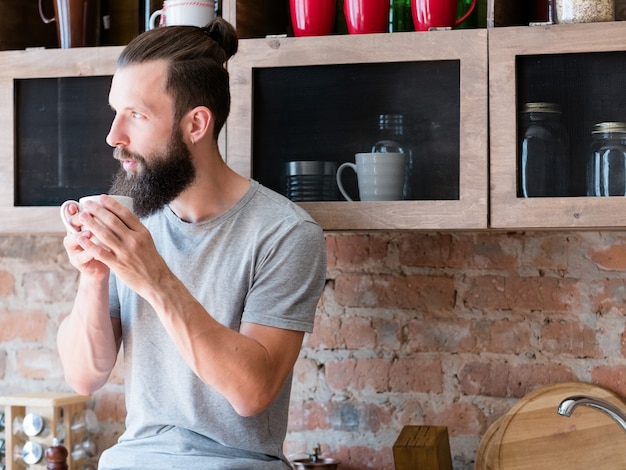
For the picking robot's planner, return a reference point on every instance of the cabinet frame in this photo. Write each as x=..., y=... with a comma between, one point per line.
x=38, y=63
x=507, y=211
x=467, y=46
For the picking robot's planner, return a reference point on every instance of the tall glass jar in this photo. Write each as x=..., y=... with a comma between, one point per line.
x=606, y=170
x=584, y=11
x=543, y=167
x=392, y=138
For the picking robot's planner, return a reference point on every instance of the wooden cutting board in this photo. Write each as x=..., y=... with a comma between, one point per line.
x=533, y=436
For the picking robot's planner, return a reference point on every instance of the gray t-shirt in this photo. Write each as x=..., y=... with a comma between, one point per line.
x=264, y=262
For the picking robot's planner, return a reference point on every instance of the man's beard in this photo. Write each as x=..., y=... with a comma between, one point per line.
x=159, y=182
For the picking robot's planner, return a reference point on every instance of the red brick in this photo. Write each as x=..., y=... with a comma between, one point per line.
x=351, y=332
x=39, y=364
x=439, y=335
x=305, y=374
x=7, y=284
x=427, y=293
x=503, y=380
x=416, y=375
x=308, y=415
x=49, y=286
x=611, y=377
x=354, y=416
x=502, y=336
x=610, y=258
x=359, y=374
x=388, y=334
x=348, y=416
x=527, y=377
x=461, y=419
x=358, y=333
x=484, y=251
x=522, y=293
x=484, y=378
x=354, y=251
x=23, y=325
x=364, y=457
x=607, y=295
x=552, y=252
x=423, y=249
x=569, y=338
x=326, y=333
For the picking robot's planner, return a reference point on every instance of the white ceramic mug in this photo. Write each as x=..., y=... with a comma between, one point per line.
x=380, y=176
x=184, y=12
x=124, y=200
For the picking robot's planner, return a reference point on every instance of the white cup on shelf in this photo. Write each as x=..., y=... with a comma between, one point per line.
x=380, y=176
x=184, y=12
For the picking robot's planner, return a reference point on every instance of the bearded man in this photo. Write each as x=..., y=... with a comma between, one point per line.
x=209, y=286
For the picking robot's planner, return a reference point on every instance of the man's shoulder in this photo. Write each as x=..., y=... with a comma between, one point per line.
x=273, y=201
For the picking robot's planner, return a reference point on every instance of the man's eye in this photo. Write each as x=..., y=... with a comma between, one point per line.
x=136, y=115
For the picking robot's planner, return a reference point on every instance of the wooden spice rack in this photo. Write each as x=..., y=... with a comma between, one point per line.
x=56, y=409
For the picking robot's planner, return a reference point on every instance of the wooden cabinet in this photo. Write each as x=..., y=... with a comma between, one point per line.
x=443, y=80
x=464, y=87
x=33, y=69
x=581, y=67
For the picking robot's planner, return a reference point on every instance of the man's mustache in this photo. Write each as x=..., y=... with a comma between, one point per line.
x=123, y=154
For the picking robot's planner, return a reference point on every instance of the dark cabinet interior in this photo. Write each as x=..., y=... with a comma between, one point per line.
x=330, y=112
x=60, y=148
x=589, y=87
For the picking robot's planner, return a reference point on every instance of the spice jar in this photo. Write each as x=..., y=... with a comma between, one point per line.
x=584, y=11
x=606, y=170
x=543, y=168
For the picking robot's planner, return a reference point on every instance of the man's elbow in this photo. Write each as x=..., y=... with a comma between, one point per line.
x=82, y=386
x=252, y=404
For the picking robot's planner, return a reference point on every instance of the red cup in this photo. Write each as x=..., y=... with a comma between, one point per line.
x=437, y=14
x=313, y=17
x=366, y=16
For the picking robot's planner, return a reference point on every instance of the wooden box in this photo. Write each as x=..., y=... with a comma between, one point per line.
x=422, y=448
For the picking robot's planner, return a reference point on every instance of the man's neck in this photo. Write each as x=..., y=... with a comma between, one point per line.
x=215, y=190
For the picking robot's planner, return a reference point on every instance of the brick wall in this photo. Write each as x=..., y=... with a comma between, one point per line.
x=413, y=328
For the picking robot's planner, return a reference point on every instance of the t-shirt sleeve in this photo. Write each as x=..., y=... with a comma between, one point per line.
x=289, y=280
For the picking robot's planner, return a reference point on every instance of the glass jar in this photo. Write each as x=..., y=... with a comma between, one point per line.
x=606, y=170
x=543, y=167
x=392, y=138
x=584, y=11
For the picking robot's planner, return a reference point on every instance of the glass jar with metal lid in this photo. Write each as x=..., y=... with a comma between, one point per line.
x=606, y=169
x=585, y=11
x=543, y=167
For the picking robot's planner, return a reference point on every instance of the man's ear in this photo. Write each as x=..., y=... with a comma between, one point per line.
x=198, y=123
